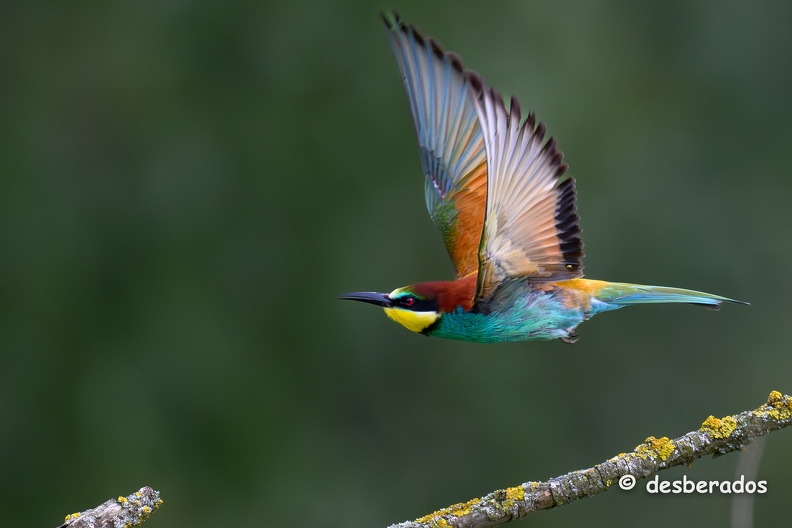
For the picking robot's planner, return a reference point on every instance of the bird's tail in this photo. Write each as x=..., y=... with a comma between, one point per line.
x=617, y=294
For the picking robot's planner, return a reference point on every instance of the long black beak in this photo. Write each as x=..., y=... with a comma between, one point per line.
x=380, y=299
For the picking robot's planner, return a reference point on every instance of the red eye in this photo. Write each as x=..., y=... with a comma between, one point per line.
x=409, y=301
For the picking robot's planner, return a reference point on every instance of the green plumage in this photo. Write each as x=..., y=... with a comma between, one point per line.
x=521, y=311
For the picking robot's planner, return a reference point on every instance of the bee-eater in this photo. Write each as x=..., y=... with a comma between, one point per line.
x=495, y=190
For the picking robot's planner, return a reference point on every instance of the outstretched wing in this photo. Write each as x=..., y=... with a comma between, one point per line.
x=450, y=139
x=531, y=228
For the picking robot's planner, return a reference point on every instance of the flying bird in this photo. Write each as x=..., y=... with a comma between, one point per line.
x=497, y=191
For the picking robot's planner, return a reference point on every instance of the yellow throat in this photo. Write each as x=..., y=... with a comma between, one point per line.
x=414, y=321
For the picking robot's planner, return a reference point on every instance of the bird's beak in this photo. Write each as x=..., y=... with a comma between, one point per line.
x=380, y=299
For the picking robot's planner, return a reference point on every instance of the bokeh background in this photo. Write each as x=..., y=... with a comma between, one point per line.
x=187, y=186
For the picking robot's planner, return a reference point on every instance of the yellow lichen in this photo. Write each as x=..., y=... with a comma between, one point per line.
x=515, y=493
x=426, y=518
x=457, y=510
x=122, y=500
x=662, y=447
x=434, y=520
x=463, y=508
x=717, y=428
x=781, y=407
x=501, y=500
x=72, y=516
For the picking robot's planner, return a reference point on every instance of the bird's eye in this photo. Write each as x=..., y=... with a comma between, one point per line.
x=408, y=301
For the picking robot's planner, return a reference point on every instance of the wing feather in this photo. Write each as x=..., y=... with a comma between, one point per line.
x=450, y=140
x=531, y=227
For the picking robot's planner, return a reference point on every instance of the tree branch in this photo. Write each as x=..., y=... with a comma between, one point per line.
x=126, y=512
x=715, y=437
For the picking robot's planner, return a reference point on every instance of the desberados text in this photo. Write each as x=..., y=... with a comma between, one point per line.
x=740, y=485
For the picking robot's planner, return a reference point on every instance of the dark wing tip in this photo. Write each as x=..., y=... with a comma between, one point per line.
x=540, y=131
x=392, y=19
x=437, y=49
x=557, y=160
x=568, y=227
x=419, y=38
x=394, y=24
x=475, y=81
x=497, y=102
x=496, y=96
x=456, y=61
x=530, y=122
x=514, y=109
x=477, y=85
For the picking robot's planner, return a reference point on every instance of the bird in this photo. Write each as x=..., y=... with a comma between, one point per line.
x=499, y=194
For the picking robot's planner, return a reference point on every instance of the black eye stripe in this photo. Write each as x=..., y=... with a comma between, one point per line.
x=407, y=300
x=416, y=304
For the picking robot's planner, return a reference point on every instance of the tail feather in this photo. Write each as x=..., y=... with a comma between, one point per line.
x=622, y=294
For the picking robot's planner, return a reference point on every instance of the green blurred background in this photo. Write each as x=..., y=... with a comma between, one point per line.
x=187, y=186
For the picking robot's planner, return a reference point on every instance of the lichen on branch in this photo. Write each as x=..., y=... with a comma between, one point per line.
x=716, y=436
x=123, y=512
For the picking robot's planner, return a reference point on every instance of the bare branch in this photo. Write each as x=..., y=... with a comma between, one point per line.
x=123, y=512
x=715, y=437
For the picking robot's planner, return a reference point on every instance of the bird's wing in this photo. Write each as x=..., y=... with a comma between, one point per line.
x=531, y=227
x=450, y=139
